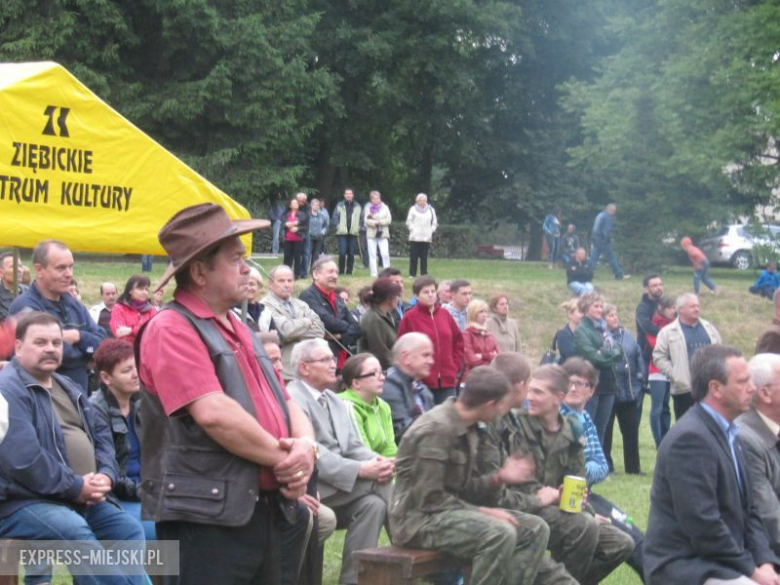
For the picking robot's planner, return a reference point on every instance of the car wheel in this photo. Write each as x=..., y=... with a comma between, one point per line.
x=742, y=260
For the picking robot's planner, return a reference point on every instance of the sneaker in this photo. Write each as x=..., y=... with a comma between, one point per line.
x=624, y=277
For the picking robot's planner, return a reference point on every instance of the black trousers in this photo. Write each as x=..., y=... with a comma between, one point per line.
x=620, y=520
x=211, y=554
x=293, y=255
x=627, y=415
x=681, y=403
x=316, y=249
x=418, y=251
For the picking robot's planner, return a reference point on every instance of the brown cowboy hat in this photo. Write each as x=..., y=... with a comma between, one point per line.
x=195, y=229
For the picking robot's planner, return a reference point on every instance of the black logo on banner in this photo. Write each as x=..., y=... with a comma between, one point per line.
x=50, y=113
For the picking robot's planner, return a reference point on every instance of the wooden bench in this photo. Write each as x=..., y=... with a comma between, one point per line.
x=392, y=565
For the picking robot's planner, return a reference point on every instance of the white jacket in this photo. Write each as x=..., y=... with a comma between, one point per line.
x=380, y=220
x=671, y=354
x=421, y=225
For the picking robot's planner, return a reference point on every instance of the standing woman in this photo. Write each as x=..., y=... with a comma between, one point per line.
x=295, y=223
x=422, y=223
x=564, y=338
x=479, y=345
x=133, y=308
x=552, y=234
x=428, y=317
x=377, y=220
x=318, y=229
x=377, y=323
x=363, y=380
x=628, y=402
x=593, y=342
x=501, y=326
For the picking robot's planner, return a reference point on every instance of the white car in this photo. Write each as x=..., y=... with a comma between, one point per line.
x=742, y=246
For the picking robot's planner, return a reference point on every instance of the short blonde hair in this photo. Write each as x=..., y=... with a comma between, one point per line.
x=475, y=308
x=570, y=306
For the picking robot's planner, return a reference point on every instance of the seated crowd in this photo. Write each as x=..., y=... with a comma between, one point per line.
x=251, y=444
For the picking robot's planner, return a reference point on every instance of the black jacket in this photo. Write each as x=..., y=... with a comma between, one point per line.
x=579, y=272
x=106, y=406
x=645, y=326
x=338, y=323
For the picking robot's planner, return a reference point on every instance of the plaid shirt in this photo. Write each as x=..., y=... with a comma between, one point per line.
x=596, y=467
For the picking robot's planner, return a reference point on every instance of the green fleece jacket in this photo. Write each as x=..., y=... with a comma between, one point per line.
x=374, y=422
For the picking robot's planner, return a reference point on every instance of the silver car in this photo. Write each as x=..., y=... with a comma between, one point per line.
x=742, y=246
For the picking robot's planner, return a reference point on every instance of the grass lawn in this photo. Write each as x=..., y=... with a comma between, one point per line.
x=535, y=293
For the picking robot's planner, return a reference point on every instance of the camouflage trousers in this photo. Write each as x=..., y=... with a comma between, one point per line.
x=587, y=548
x=500, y=554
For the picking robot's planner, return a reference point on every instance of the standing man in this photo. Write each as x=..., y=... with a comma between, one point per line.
x=342, y=329
x=347, y=220
x=758, y=431
x=438, y=501
x=101, y=313
x=703, y=526
x=404, y=389
x=53, y=263
x=460, y=291
x=570, y=241
x=601, y=241
x=654, y=290
x=676, y=345
x=224, y=451
x=7, y=283
x=57, y=461
x=552, y=235
x=294, y=319
x=353, y=481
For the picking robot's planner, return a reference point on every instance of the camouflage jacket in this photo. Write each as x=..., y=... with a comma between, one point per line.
x=435, y=471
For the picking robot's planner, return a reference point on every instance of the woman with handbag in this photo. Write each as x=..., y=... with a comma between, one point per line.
x=564, y=338
x=593, y=342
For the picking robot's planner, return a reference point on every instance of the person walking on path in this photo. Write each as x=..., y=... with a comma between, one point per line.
x=552, y=234
x=601, y=241
x=701, y=266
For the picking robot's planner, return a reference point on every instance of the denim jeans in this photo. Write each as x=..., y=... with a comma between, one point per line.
x=277, y=232
x=660, y=414
x=605, y=248
x=347, y=250
x=103, y=521
x=134, y=509
x=552, y=246
x=702, y=275
x=580, y=288
x=146, y=262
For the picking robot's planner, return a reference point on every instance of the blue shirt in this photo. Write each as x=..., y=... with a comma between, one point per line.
x=596, y=467
x=696, y=337
x=603, y=226
x=459, y=316
x=730, y=430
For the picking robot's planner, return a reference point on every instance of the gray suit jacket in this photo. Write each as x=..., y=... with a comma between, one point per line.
x=340, y=453
x=761, y=448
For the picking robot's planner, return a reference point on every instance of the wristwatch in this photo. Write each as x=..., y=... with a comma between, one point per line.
x=314, y=446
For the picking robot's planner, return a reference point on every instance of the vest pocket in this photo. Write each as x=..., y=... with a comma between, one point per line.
x=200, y=496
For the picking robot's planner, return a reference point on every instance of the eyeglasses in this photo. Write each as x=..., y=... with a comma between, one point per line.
x=325, y=360
x=579, y=384
x=378, y=374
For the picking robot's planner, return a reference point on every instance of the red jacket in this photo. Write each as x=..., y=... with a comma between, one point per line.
x=447, y=341
x=478, y=341
x=123, y=315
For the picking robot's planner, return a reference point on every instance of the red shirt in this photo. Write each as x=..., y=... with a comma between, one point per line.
x=176, y=367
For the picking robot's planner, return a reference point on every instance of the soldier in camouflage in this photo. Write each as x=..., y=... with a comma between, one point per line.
x=589, y=547
x=433, y=502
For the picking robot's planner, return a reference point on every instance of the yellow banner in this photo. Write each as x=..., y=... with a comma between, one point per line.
x=73, y=169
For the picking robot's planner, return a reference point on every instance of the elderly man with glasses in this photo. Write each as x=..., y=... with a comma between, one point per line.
x=353, y=481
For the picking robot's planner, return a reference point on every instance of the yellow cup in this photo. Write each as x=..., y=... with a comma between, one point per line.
x=573, y=493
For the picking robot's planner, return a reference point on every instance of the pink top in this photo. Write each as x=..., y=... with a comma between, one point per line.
x=289, y=235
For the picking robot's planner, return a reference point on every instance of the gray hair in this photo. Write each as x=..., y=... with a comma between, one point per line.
x=304, y=351
x=683, y=299
x=762, y=368
x=408, y=342
x=320, y=262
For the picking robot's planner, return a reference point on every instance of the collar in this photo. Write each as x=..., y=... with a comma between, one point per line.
x=729, y=429
x=330, y=295
x=773, y=427
x=313, y=392
x=457, y=424
x=194, y=304
x=279, y=300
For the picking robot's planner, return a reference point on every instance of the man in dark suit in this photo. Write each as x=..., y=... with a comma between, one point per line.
x=703, y=525
x=759, y=428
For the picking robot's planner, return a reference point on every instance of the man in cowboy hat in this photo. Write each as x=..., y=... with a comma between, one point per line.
x=225, y=452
